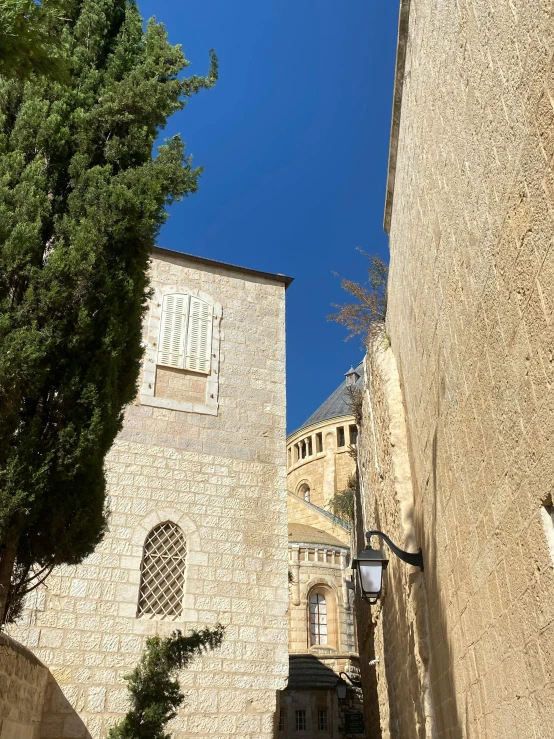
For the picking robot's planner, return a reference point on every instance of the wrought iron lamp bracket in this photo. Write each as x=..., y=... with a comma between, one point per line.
x=411, y=558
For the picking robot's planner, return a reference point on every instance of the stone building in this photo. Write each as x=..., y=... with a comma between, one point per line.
x=455, y=447
x=198, y=527
x=322, y=641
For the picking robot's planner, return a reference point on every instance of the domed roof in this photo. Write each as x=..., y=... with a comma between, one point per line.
x=338, y=403
x=299, y=532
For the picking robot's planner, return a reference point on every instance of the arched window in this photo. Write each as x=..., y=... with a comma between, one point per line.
x=304, y=491
x=318, y=619
x=162, y=573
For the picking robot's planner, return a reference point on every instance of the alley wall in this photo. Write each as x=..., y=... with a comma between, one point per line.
x=470, y=322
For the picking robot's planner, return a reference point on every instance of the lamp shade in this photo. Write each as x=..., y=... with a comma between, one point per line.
x=370, y=564
x=341, y=687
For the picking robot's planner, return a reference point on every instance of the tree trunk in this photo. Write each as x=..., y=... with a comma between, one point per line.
x=7, y=561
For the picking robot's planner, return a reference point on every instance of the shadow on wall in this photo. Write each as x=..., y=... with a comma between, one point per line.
x=441, y=677
x=414, y=680
x=59, y=718
x=366, y=642
x=31, y=701
x=429, y=608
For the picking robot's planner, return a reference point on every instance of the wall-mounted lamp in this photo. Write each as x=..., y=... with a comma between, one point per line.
x=370, y=564
x=341, y=685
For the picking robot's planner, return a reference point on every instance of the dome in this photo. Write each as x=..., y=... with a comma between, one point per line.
x=299, y=532
x=338, y=403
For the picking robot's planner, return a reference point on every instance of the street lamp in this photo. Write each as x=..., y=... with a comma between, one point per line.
x=370, y=564
x=341, y=685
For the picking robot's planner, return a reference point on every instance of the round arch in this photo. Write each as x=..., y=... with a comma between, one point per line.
x=304, y=490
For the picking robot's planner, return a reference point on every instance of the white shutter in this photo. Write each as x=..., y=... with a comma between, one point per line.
x=172, y=330
x=199, y=336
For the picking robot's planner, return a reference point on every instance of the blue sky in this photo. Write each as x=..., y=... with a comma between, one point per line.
x=294, y=144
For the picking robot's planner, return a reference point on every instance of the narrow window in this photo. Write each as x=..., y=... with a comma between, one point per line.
x=353, y=430
x=301, y=720
x=281, y=719
x=162, y=573
x=304, y=492
x=318, y=443
x=547, y=517
x=199, y=339
x=318, y=619
x=173, y=328
x=310, y=449
x=296, y=453
x=322, y=720
x=185, y=338
x=303, y=445
x=340, y=436
x=289, y=457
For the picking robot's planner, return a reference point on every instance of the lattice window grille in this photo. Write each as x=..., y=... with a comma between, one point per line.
x=163, y=572
x=318, y=619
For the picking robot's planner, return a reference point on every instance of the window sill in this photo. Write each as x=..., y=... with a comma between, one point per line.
x=209, y=409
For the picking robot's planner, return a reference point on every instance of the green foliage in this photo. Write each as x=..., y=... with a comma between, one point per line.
x=154, y=689
x=343, y=504
x=367, y=314
x=82, y=200
x=28, y=38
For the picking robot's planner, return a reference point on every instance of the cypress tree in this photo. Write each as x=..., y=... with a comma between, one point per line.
x=82, y=199
x=154, y=692
x=28, y=42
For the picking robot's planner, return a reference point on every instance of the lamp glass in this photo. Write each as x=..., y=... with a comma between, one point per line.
x=341, y=689
x=371, y=575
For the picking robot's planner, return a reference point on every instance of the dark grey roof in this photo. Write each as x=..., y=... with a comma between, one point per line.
x=307, y=672
x=337, y=404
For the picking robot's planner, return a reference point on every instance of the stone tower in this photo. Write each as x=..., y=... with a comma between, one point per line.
x=322, y=642
x=198, y=527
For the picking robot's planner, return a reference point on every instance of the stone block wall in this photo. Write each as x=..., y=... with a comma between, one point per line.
x=22, y=688
x=470, y=318
x=219, y=473
x=325, y=472
x=392, y=635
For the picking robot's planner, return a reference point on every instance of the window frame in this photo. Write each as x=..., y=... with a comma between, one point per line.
x=151, y=333
x=318, y=619
x=300, y=718
x=322, y=714
x=150, y=560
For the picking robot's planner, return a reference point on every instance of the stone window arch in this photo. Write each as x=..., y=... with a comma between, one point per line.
x=162, y=572
x=304, y=491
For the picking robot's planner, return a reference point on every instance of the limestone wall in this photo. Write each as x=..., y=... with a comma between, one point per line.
x=218, y=471
x=320, y=568
x=394, y=631
x=470, y=317
x=22, y=686
x=326, y=469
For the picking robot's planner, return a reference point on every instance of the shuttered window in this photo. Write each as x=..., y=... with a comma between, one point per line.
x=185, y=333
x=172, y=330
x=199, y=339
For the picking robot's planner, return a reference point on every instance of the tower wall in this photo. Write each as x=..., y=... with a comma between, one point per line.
x=218, y=472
